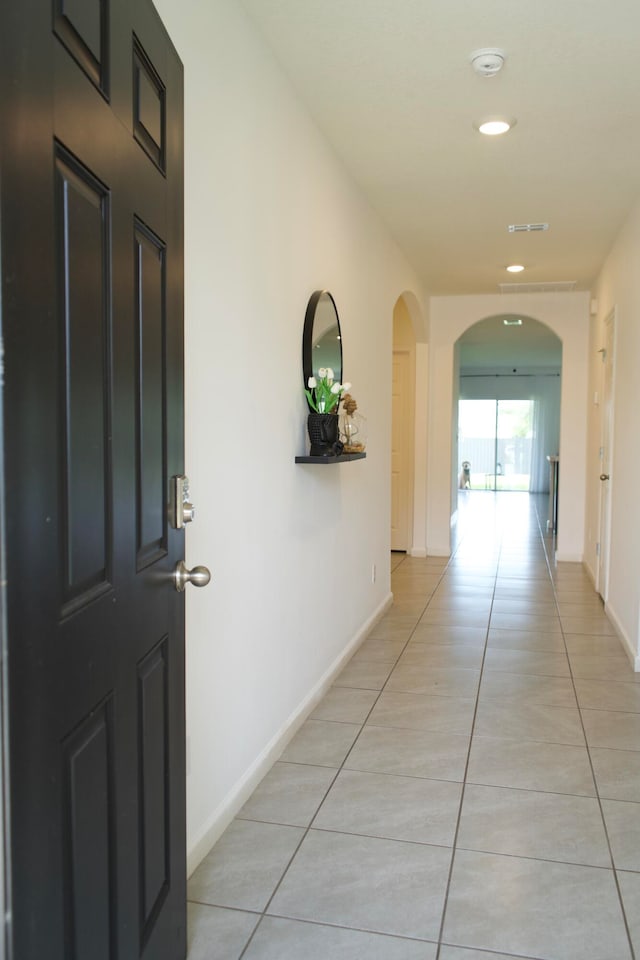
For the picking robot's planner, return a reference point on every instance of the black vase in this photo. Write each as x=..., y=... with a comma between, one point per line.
x=323, y=434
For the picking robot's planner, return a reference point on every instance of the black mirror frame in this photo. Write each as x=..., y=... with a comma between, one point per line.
x=307, y=335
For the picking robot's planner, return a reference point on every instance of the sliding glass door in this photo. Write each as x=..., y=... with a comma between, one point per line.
x=495, y=439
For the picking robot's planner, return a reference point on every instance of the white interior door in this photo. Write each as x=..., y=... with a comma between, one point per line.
x=401, y=459
x=606, y=415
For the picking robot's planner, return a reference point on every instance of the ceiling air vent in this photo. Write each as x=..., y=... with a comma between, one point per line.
x=527, y=227
x=552, y=286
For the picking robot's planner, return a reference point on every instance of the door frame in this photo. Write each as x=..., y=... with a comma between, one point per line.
x=408, y=358
x=607, y=419
x=5, y=888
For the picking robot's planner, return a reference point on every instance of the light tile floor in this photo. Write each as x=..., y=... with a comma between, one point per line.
x=468, y=789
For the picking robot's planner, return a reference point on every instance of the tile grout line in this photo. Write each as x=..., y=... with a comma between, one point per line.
x=466, y=768
x=339, y=770
x=442, y=573
x=598, y=798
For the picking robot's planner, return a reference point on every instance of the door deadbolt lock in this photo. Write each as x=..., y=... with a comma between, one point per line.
x=182, y=511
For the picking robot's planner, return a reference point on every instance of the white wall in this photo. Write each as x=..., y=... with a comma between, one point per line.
x=567, y=315
x=270, y=217
x=619, y=286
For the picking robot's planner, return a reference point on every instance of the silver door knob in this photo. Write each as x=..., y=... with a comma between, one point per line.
x=198, y=576
x=604, y=476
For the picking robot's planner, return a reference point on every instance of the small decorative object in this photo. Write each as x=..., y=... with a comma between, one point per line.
x=353, y=426
x=323, y=434
x=323, y=395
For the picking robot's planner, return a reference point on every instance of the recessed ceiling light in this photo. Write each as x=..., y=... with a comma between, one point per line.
x=494, y=126
x=515, y=268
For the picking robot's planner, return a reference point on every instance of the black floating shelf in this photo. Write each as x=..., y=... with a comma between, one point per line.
x=343, y=458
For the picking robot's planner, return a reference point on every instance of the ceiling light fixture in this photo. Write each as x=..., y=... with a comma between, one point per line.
x=512, y=321
x=515, y=268
x=494, y=126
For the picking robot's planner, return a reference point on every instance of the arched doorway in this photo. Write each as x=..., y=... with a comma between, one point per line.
x=508, y=404
x=567, y=315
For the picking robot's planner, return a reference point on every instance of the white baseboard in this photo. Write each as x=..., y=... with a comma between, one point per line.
x=591, y=573
x=631, y=652
x=438, y=551
x=629, y=648
x=569, y=557
x=419, y=552
x=224, y=813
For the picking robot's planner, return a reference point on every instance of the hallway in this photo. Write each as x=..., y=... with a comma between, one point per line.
x=468, y=789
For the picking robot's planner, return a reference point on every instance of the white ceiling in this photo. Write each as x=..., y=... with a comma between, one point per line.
x=390, y=84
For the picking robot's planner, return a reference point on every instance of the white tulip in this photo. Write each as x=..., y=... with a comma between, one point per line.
x=336, y=388
x=311, y=383
x=346, y=386
x=322, y=372
x=330, y=374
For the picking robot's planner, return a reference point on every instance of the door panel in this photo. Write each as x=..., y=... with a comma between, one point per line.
x=82, y=221
x=150, y=395
x=148, y=106
x=153, y=711
x=92, y=323
x=82, y=26
x=89, y=838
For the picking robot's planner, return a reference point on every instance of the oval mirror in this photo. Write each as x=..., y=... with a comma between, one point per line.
x=321, y=339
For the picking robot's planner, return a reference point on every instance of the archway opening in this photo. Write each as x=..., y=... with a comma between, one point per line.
x=507, y=414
